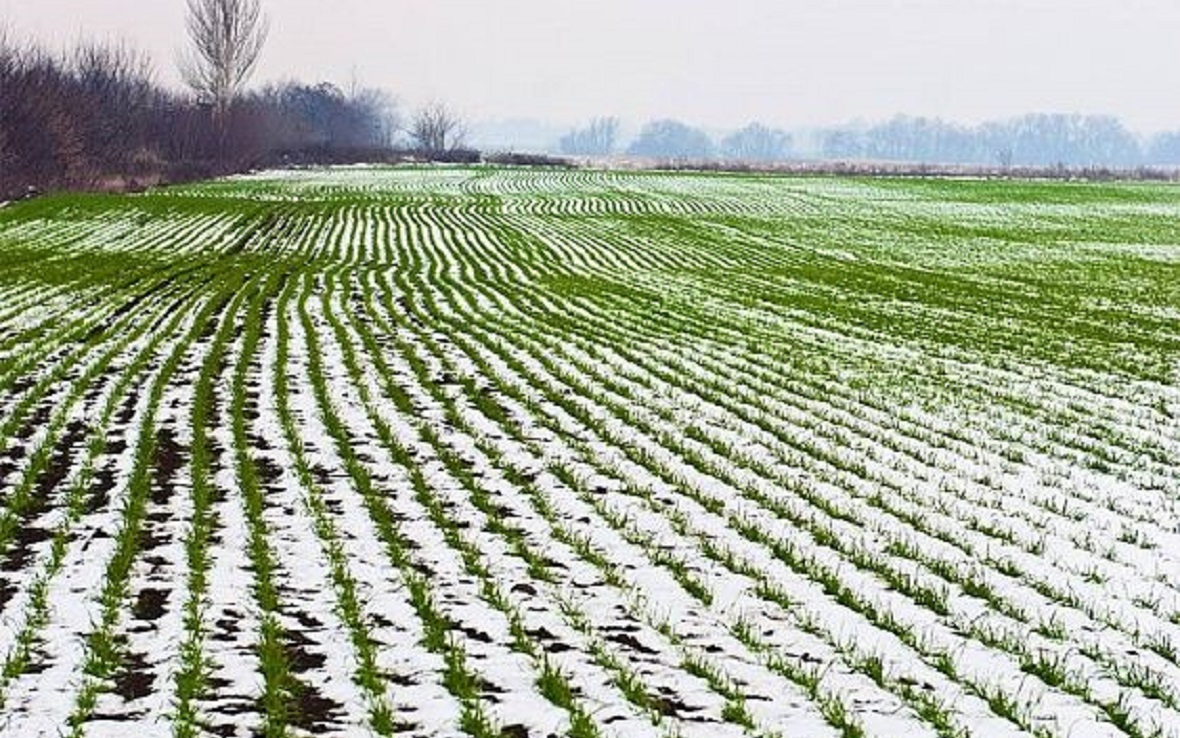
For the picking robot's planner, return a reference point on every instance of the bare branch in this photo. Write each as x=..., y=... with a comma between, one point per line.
x=436, y=129
x=227, y=37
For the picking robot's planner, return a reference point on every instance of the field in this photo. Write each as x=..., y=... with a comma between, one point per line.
x=446, y=452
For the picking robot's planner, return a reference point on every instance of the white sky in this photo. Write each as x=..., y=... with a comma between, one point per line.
x=719, y=64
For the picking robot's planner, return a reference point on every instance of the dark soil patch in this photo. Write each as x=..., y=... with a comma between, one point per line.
x=307, y=621
x=210, y=329
x=155, y=564
x=91, y=395
x=38, y=419
x=58, y=467
x=227, y=628
x=268, y=471
x=7, y=590
x=548, y=640
x=169, y=458
x=21, y=553
x=669, y=705
x=148, y=540
x=135, y=679
x=150, y=604
x=127, y=410
x=299, y=658
x=56, y=470
x=38, y=660
x=216, y=455
x=633, y=643
x=476, y=635
x=93, y=334
x=314, y=712
x=323, y=477
x=488, y=689
x=399, y=680
x=381, y=621
x=100, y=490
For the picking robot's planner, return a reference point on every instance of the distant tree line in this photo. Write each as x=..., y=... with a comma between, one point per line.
x=1035, y=140
x=599, y=138
x=1029, y=140
x=674, y=140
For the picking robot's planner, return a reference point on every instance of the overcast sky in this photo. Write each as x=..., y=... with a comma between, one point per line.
x=715, y=63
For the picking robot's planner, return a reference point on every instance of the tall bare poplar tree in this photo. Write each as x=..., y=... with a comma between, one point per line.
x=227, y=37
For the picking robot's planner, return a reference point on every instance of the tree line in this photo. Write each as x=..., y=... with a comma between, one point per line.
x=95, y=117
x=1035, y=140
x=1030, y=140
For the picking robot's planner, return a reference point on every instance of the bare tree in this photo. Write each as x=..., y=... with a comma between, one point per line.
x=379, y=108
x=756, y=143
x=597, y=139
x=671, y=139
x=436, y=129
x=1005, y=156
x=227, y=37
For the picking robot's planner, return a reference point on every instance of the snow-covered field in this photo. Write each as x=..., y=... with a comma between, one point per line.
x=446, y=452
